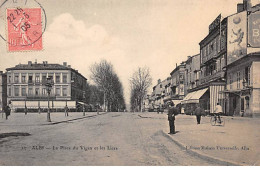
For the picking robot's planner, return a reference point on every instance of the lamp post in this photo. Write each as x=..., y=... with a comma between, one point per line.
x=48, y=88
x=84, y=96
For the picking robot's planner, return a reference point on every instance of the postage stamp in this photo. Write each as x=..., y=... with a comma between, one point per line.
x=24, y=29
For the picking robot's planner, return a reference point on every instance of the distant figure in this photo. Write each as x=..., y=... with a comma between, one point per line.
x=182, y=110
x=218, y=111
x=97, y=107
x=172, y=111
x=7, y=112
x=25, y=110
x=39, y=110
x=66, y=109
x=199, y=112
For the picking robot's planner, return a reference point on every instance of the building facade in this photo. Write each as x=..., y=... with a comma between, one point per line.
x=3, y=90
x=178, y=83
x=26, y=85
x=243, y=86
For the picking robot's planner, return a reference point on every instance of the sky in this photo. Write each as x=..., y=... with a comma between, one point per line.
x=157, y=34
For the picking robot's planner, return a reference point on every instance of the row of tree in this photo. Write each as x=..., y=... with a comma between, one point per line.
x=140, y=81
x=108, y=87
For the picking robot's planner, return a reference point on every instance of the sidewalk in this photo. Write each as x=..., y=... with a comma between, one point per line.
x=238, y=142
x=21, y=121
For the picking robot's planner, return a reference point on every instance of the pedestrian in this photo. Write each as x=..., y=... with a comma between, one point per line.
x=97, y=107
x=66, y=109
x=199, y=112
x=7, y=112
x=218, y=111
x=25, y=110
x=172, y=111
x=158, y=109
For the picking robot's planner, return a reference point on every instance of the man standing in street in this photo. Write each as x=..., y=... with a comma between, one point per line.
x=199, y=112
x=172, y=111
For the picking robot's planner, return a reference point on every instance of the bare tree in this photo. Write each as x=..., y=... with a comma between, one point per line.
x=104, y=76
x=140, y=81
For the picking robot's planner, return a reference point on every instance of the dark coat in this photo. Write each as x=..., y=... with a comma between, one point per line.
x=171, y=113
x=199, y=111
x=7, y=110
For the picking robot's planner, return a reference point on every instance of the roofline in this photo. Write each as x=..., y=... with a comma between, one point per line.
x=46, y=68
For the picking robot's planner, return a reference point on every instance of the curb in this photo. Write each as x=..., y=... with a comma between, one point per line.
x=202, y=155
x=64, y=121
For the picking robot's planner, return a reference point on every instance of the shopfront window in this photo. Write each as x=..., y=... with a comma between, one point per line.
x=238, y=80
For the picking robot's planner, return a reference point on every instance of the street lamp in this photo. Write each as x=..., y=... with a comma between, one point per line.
x=84, y=96
x=48, y=88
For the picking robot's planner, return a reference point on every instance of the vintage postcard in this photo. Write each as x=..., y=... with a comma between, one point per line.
x=129, y=82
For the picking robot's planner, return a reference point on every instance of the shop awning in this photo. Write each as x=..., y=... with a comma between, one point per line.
x=176, y=102
x=194, y=97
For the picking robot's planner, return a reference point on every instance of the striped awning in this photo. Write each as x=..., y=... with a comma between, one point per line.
x=194, y=97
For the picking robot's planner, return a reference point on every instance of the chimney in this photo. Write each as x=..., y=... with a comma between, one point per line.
x=30, y=63
x=159, y=81
x=176, y=64
x=44, y=63
x=69, y=66
x=65, y=64
x=240, y=7
x=35, y=61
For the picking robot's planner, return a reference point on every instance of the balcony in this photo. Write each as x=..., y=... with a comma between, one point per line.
x=213, y=77
x=41, y=97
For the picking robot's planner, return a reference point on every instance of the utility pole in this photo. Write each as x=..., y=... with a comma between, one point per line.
x=48, y=88
x=84, y=96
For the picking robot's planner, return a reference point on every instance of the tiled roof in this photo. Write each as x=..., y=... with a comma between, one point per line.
x=38, y=66
x=41, y=66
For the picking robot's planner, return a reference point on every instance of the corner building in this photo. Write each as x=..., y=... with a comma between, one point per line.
x=26, y=86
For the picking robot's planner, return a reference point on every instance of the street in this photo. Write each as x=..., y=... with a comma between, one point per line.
x=107, y=139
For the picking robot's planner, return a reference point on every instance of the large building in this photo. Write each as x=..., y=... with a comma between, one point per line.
x=227, y=69
x=243, y=86
x=26, y=85
x=3, y=94
x=178, y=83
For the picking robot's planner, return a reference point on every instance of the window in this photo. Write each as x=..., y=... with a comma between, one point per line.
x=64, y=91
x=30, y=91
x=249, y=79
x=16, y=91
x=57, y=78
x=44, y=92
x=44, y=77
x=16, y=78
x=57, y=91
x=50, y=76
x=23, y=91
x=230, y=81
x=238, y=79
x=30, y=78
x=222, y=61
x=37, y=78
x=9, y=91
x=23, y=78
x=10, y=79
x=242, y=105
x=64, y=78
x=37, y=90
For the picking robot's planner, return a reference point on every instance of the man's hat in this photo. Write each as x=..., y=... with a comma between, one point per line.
x=170, y=103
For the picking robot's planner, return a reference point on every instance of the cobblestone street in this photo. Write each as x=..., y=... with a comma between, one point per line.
x=125, y=139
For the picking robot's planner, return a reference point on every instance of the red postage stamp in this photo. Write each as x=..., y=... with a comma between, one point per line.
x=24, y=28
